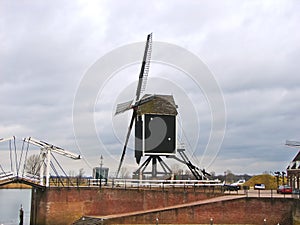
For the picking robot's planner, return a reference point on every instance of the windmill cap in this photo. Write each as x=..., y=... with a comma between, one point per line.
x=160, y=104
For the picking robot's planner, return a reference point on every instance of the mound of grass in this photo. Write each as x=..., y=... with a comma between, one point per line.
x=268, y=180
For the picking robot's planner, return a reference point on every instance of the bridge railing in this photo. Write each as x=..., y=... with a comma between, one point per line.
x=11, y=177
x=164, y=185
x=206, y=185
x=135, y=183
x=257, y=193
x=6, y=175
x=31, y=177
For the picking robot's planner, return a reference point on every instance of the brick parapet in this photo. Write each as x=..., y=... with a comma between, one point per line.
x=65, y=205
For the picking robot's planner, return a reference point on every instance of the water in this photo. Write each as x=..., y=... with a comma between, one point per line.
x=10, y=202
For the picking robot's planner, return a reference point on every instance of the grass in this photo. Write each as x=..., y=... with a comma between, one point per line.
x=268, y=180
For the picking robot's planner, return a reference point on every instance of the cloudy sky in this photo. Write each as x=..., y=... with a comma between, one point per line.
x=252, y=48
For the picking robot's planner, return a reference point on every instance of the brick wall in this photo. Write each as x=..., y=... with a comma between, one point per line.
x=238, y=211
x=57, y=206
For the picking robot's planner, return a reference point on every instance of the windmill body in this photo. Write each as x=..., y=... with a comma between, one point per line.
x=155, y=127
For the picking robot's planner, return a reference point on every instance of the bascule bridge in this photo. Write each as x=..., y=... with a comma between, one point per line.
x=39, y=174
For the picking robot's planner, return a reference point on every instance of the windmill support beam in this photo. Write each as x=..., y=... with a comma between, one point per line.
x=142, y=168
x=199, y=175
x=185, y=160
x=154, y=170
x=154, y=167
x=164, y=166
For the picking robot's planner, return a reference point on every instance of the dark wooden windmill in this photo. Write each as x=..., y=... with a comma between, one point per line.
x=155, y=132
x=155, y=127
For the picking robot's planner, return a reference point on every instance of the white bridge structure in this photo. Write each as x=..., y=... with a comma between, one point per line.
x=18, y=173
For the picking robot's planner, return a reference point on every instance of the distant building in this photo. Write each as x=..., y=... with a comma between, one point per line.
x=100, y=172
x=293, y=172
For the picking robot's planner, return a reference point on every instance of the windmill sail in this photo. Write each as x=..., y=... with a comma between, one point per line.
x=140, y=88
x=145, y=68
x=126, y=142
x=122, y=107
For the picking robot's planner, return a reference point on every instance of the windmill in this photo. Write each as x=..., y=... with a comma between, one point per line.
x=155, y=126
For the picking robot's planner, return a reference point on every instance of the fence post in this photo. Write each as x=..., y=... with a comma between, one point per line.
x=271, y=193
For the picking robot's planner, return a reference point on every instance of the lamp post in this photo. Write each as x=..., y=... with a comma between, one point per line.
x=277, y=177
x=211, y=221
x=265, y=221
x=100, y=172
x=283, y=173
x=101, y=165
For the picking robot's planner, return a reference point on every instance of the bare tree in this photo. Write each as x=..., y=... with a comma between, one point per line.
x=188, y=172
x=124, y=173
x=71, y=173
x=80, y=176
x=213, y=174
x=33, y=164
x=81, y=173
x=229, y=176
x=177, y=169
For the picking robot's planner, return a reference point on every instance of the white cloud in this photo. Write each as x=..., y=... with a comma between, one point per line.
x=251, y=46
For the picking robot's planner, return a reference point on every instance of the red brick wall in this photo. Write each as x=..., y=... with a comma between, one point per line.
x=65, y=205
x=57, y=206
x=238, y=211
